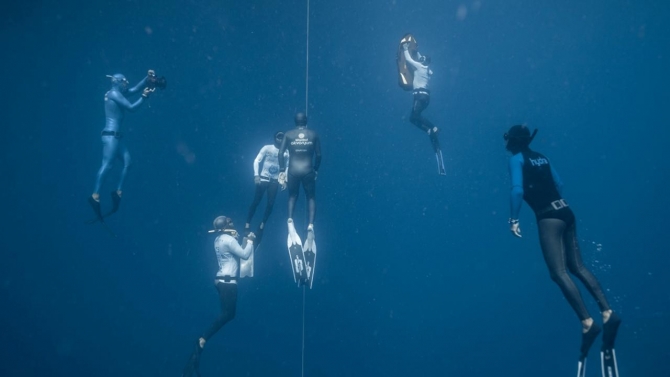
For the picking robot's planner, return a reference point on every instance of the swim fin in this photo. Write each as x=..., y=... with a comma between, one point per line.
x=309, y=252
x=440, y=162
x=587, y=341
x=95, y=204
x=193, y=366
x=116, y=202
x=608, y=361
x=296, y=255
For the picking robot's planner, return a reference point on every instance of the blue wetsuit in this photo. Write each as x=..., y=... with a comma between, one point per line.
x=112, y=146
x=535, y=181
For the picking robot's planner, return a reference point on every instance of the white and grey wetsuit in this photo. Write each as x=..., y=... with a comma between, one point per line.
x=422, y=73
x=228, y=251
x=268, y=155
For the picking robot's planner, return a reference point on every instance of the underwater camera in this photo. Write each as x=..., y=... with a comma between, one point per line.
x=154, y=82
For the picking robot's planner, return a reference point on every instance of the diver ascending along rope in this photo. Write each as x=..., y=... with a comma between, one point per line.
x=419, y=75
x=536, y=181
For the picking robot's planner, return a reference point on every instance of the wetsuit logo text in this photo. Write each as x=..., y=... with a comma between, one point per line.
x=302, y=141
x=539, y=161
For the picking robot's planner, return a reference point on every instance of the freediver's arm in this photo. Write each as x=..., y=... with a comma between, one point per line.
x=280, y=155
x=516, y=194
x=287, y=156
x=237, y=250
x=123, y=102
x=411, y=61
x=317, y=152
x=139, y=86
x=557, y=180
x=258, y=160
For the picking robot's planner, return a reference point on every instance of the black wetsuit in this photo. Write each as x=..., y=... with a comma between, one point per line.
x=271, y=187
x=228, y=300
x=557, y=228
x=305, y=158
x=421, y=102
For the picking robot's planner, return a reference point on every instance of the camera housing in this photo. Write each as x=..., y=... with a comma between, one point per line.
x=154, y=82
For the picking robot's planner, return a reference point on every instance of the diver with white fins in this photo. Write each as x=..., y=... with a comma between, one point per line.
x=535, y=181
x=116, y=104
x=265, y=179
x=304, y=147
x=421, y=76
x=232, y=260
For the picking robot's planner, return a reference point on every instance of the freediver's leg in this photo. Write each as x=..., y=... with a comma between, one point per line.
x=228, y=300
x=309, y=185
x=125, y=155
x=553, y=249
x=577, y=268
x=293, y=184
x=272, y=188
x=109, y=149
x=420, y=103
x=258, y=196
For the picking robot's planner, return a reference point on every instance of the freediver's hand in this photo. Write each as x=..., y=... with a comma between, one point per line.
x=151, y=73
x=147, y=92
x=282, y=180
x=316, y=175
x=514, y=227
x=251, y=237
x=257, y=180
x=405, y=46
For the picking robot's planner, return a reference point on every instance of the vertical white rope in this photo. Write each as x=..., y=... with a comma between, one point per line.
x=307, y=66
x=303, y=332
x=302, y=371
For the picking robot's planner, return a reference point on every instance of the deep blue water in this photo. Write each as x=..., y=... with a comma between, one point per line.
x=417, y=274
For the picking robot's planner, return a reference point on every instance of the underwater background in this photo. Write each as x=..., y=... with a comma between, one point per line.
x=417, y=274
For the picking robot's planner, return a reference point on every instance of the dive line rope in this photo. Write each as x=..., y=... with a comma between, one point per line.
x=306, y=113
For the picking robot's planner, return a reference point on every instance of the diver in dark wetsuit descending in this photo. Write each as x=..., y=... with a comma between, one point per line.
x=113, y=147
x=535, y=181
x=422, y=75
x=304, y=149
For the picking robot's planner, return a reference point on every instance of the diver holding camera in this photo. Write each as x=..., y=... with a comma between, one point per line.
x=116, y=104
x=154, y=81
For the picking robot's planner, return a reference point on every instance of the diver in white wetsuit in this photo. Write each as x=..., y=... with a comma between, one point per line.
x=228, y=253
x=422, y=75
x=265, y=180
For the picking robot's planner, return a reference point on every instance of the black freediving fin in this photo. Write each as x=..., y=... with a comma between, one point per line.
x=95, y=204
x=98, y=215
x=192, y=368
x=116, y=202
x=608, y=361
x=587, y=341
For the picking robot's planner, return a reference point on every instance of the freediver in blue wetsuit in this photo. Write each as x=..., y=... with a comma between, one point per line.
x=536, y=181
x=113, y=147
